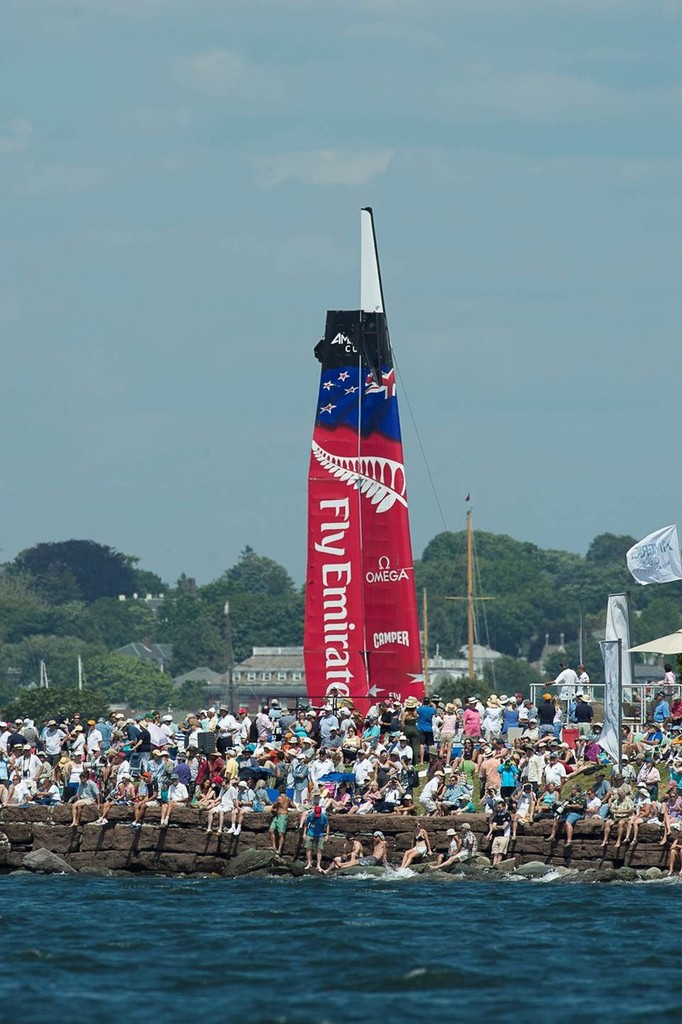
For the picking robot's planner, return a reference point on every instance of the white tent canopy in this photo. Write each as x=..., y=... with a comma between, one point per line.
x=670, y=644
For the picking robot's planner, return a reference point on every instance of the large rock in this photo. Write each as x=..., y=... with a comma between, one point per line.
x=47, y=862
x=250, y=862
x=534, y=869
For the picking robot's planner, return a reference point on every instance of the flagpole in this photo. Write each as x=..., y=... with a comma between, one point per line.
x=581, y=645
x=620, y=706
x=426, y=642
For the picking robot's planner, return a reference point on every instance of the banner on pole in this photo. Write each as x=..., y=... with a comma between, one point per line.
x=618, y=628
x=656, y=558
x=610, y=739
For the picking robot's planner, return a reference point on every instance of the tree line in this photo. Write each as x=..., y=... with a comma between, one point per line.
x=61, y=600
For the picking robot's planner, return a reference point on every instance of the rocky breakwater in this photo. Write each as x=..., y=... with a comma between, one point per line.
x=186, y=849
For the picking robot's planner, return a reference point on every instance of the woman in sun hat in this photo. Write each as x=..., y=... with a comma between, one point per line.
x=491, y=722
x=448, y=731
x=408, y=724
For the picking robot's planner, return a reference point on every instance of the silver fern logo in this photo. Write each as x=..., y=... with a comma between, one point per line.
x=381, y=480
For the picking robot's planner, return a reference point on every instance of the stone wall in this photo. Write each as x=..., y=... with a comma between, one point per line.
x=185, y=848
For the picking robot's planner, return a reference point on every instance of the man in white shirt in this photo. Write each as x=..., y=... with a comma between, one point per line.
x=177, y=794
x=403, y=748
x=53, y=739
x=427, y=797
x=554, y=771
x=228, y=730
x=364, y=768
x=244, y=726
x=320, y=766
x=584, y=681
x=93, y=740
x=29, y=764
x=568, y=681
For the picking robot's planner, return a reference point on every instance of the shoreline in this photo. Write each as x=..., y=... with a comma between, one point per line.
x=41, y=839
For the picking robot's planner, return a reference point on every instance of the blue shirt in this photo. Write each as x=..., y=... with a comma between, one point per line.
x=510, y=720
x=661, y=711
x=316, y=825
x=509, y=774
x=425, y=713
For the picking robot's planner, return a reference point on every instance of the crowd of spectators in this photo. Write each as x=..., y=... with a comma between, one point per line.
x=503, y=756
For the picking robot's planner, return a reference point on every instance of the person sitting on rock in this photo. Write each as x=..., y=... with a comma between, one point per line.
x=420, y=851
x=647, y=812
x=524, y=808
x=350, y=858
x=87, y=794
x=145, y=793
x=177, y=795
x=123, y=796
x=622, y=808
x=225, y=803
x=568, y=814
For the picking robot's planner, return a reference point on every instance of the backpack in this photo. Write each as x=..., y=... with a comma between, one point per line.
x=300, y=771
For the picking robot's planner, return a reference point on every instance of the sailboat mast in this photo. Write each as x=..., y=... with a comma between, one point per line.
x=425, y=608
x=470, y=594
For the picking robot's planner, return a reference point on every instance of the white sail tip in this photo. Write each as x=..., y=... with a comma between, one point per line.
x=371, y=300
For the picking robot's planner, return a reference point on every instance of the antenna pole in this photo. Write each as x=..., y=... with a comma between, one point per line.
x=470, y=594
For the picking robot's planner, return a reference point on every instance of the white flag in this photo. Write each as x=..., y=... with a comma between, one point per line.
x=618, y=628
x=610, y=739
x=656, y=559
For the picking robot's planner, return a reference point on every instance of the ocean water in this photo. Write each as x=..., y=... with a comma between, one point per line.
x=337, y=950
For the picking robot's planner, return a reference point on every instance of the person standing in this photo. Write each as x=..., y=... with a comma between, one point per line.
x=584, y=715
x=316, y=835
x=425, y=713
x=568, y=681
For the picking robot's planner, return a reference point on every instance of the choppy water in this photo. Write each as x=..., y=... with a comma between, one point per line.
x=317, y=950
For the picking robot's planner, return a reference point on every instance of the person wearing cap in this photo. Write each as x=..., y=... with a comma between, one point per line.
x=555, y=771
x=122, y=796
x=572, y=811
x=622, y=808
x=315, y=836
x=546, y=712
x=226, y=802
x=177, y=795
x=93, y=740
x=499, y=830
x=28, y=764
x=87, y=795
x=243, y=726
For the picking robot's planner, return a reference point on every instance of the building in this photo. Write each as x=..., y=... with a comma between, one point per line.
x=456, y=668
x=161, y=654
x=271, y=672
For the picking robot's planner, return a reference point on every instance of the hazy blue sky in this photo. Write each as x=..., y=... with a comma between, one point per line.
x=180, y=186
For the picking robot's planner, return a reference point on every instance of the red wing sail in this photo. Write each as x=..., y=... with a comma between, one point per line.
x=361, y=627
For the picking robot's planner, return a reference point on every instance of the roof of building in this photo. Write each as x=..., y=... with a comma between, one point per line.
x=148, y=652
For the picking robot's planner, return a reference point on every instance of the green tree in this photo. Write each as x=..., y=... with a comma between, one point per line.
x=608, y=548
x=41, y=705
x=196, y=632
x=511, y=675
x=128, y=680
x=73, y=569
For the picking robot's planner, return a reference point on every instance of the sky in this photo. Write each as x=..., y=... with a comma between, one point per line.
x=181, y=183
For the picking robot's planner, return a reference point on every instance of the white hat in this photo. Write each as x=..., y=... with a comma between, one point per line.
x=451, y=832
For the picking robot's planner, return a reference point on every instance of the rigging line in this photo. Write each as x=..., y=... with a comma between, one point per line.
x=419, y=442
x=358, y=490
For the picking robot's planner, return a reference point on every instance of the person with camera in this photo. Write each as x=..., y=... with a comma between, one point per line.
x=567, y=814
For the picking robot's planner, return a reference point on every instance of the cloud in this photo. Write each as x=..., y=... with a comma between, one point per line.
x=226, y=75
x=152, y=120
x=530, y=95
x=322, y=167
x=48, y=179
x=17, y=136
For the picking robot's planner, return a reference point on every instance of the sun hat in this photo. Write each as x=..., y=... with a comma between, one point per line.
x=493, y=701
x=451, y=832
x=378, y=833
x=503, y=698
x=411, y=702
x=465, y=826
